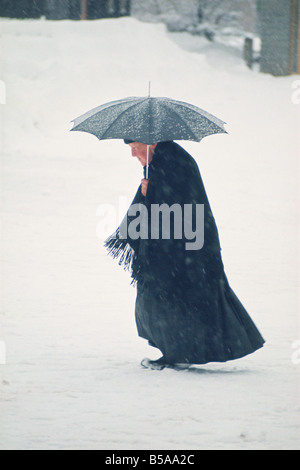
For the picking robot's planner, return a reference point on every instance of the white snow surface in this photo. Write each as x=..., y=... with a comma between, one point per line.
x=72, y=378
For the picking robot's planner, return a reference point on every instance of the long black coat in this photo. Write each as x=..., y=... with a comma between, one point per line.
x=185, y=306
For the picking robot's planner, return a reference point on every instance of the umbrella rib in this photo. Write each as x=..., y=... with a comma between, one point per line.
x=93, y=112
x=129, y=107
x=206, y=115
x=185, y=124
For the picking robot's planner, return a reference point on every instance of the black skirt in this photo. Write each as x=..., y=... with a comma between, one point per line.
x=213, y=327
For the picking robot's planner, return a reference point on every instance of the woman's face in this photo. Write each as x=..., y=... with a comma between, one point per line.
x=139, y=151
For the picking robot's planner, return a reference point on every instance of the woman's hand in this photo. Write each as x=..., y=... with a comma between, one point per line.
x=144, y=186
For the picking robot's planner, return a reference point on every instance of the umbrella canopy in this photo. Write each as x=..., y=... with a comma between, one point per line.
x=149, y=120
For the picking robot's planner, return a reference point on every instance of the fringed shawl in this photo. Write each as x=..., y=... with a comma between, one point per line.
x=174, y=177
x=122, y=247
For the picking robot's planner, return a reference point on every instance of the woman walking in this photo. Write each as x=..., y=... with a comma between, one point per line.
x=185, y=306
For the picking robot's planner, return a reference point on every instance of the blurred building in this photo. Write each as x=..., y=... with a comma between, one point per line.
x=64, y=9
x=21, y=8
x=178, y=15
x=279, y=30
x=267, y=30
x=238, y=23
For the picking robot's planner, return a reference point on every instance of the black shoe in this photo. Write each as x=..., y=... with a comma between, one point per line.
x=159, y=364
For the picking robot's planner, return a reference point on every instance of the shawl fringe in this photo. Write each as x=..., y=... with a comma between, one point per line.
x=118, y=248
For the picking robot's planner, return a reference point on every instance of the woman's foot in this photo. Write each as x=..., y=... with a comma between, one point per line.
x=159, y=364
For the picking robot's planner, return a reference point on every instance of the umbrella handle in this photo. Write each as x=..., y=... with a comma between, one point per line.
x=148, y=146
x=147, y=168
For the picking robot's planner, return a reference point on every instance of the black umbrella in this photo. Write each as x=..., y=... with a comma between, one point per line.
x=149, y=120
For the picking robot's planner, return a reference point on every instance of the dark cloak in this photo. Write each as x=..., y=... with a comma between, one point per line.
x=185, y=306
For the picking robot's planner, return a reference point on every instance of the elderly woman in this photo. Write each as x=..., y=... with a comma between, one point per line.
x=184, y=306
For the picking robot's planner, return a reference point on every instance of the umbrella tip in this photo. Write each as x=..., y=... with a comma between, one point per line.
x=149, y=89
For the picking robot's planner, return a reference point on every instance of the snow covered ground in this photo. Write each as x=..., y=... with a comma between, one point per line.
x=72, y=378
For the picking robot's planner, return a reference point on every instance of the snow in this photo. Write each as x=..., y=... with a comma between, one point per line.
x=228, y=21
x=72, y=378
